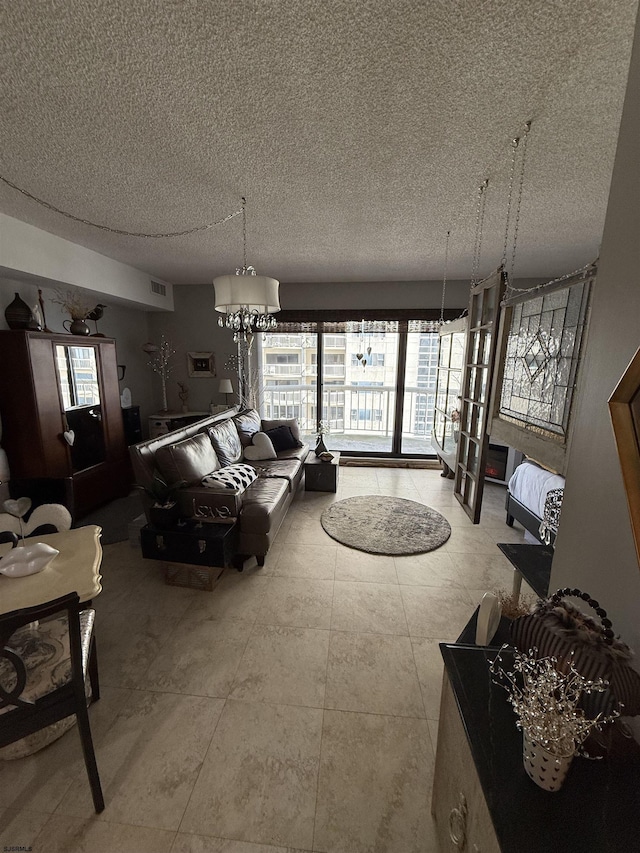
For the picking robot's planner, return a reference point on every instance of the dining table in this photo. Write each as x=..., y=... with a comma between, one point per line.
x=76, y=568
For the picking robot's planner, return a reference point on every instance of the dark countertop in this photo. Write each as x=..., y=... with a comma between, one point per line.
x=596, y=811
x=532, y=561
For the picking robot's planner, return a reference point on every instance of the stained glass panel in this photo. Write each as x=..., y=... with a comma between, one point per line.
x=541, y=358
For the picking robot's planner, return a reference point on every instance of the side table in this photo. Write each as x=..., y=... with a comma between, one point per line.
x=191, y=551
x=163, y=422
x=321, y=476
x=531, y=562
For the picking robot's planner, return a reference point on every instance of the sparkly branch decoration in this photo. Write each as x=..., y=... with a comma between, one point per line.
x=159, y=363
x=545, y=701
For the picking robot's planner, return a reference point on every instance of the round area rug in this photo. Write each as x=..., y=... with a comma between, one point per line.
x=385, y=525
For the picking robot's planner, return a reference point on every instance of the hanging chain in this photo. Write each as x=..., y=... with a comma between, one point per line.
x=514, y=148
x=587, y=271
x=516, y=225
x=119, y=231
x=444, y=277
x=480, y=206
x=244, y=232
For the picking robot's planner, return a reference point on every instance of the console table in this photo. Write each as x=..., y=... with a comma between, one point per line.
x=482, y=795
x=163, y=422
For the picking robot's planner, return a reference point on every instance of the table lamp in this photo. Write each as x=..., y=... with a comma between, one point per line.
x=226, y=388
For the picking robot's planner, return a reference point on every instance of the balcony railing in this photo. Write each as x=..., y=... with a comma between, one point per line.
x=354, y=411
x=283, y=369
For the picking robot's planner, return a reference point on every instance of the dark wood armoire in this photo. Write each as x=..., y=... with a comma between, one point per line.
x=62, y=421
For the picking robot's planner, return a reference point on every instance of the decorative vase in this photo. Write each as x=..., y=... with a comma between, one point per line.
x=77, y=327
x=18, y=314
x=320, y=446
x=547, y=770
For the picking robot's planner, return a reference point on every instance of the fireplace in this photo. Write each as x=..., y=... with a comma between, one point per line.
x=501, y=462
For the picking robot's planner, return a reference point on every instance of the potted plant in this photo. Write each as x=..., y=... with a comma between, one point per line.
x=546, y=697
x=164, y=511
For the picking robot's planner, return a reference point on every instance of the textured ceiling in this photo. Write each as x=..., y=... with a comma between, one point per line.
x=359, y=131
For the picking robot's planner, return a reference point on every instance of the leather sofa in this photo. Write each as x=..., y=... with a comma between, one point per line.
x=191, y=453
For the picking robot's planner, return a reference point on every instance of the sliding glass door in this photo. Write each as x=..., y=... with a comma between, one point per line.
x=289, y=371
x=372, y=382
x=421, y=364
x=359, y=371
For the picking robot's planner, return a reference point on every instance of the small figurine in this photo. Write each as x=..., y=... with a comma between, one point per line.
x=183, y=393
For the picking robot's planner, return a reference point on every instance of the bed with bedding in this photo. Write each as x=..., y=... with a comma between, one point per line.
x=534, y=499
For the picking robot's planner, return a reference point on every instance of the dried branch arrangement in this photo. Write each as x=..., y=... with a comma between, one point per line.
x=74, y=303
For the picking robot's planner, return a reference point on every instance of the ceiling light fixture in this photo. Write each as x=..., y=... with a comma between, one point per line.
x=248, y=300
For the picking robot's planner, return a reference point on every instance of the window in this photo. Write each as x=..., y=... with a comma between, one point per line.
x=359, y=400
x=283, y=358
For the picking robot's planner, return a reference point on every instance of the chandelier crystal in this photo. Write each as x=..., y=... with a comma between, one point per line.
x=247, y=300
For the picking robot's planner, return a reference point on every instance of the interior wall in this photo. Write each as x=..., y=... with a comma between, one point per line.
x=379, y=294
x=192, y=327
x=594, y=549
x=28, y=252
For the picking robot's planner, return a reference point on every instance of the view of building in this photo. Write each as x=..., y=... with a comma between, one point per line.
x=360, y=375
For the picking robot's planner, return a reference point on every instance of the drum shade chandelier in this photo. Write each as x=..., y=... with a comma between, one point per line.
x=248, y=300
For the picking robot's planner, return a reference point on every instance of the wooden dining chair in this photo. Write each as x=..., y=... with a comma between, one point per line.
x=46, y=654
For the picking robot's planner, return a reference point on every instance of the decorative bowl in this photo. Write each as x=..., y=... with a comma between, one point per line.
x=325, y=456
x=26, y=560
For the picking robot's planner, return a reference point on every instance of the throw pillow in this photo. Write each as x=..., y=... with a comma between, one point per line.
x=262, y=448
x=292, y=423
x=232, y=478
x=247, y=423
x=282, y=438
x=226, y=442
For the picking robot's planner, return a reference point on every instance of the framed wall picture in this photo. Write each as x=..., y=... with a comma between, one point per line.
x=201, y=364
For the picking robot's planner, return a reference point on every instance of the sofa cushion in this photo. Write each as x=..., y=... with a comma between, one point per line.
x=234, y=477
x=285, y=469
x=261, y=447
x=263, y=506
x=299, y=453
x=292, y=423
x=188, y=460
x=226, y=442
x=247, y=423
x=282, y=438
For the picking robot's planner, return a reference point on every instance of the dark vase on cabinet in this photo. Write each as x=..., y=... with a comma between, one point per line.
x=62, y=422
x=18, y=314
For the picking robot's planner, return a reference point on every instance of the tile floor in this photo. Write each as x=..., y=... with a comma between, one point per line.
x=294, y=708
